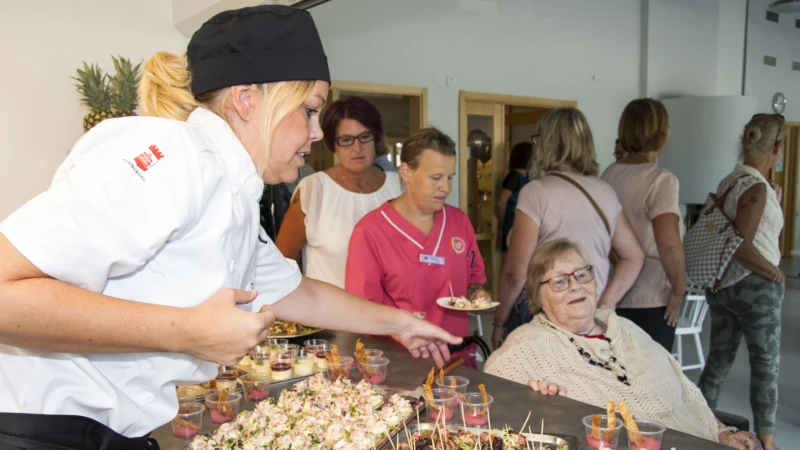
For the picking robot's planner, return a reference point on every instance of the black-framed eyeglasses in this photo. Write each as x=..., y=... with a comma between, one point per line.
x=780, y=127
x=535, y=138
x=561, y=282
x=347, y=140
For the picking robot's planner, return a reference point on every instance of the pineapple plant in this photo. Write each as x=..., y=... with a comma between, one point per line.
x=95, y=94
x=123, y=84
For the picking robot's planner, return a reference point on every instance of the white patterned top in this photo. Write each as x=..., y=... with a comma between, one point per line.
x=658, y=389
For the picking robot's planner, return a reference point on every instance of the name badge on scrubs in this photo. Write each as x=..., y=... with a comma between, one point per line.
x=430, y=259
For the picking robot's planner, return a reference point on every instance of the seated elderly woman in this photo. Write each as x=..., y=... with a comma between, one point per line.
x=593, y=355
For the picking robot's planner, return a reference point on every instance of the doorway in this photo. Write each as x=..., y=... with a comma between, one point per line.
x=489, y=126
x=785, y=174
x=404, y=109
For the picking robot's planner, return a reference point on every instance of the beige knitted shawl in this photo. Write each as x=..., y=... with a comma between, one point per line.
x=658, y=390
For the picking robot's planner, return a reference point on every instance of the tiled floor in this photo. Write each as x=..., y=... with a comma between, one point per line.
x=734, y=396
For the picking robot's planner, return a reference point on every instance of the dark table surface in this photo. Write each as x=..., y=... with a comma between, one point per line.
x=512, y=401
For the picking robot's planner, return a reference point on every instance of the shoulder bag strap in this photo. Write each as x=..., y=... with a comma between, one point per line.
x=591, y=200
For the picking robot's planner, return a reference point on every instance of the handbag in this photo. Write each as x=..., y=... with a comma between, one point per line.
x=711, y=242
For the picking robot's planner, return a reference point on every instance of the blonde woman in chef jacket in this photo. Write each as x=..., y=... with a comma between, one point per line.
x=123, y=278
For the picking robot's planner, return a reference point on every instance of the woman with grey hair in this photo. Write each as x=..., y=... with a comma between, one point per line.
x=571, y=348
x=571, y=202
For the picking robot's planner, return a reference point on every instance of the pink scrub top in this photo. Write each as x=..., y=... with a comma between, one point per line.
x=384, y=263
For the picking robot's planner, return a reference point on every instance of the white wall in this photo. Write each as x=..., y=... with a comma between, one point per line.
x=585, y=50
x=42, y=42
x=781, y=40
x=547, y=48
x=682, y=47
x=730, y=46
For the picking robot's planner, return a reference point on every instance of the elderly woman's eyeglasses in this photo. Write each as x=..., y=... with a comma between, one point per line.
x=535, y=138
x=561, y=282
x=347, y=141
x=780, y=127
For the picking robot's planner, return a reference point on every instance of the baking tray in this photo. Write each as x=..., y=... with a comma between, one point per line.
x=549, y=441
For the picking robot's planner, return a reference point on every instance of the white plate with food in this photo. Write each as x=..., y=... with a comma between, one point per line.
x=465, y=304
x=290, y=330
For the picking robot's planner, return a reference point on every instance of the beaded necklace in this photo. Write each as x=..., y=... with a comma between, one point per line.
x=604, y=364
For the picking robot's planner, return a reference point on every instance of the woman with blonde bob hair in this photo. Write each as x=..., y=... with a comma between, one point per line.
x=569, y=201
x=142, y=266
x=649, y=197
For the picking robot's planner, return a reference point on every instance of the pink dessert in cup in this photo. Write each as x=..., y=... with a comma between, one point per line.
x=646, y=444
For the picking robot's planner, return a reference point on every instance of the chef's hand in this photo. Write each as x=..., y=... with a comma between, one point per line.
x=742, y=440
x=547, y=388
x=424, y=339
x=222, y=333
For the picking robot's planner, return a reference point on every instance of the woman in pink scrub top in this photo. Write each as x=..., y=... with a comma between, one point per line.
x=407, y=252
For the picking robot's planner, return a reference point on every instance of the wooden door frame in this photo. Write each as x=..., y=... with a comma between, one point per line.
x=483, y=103
x=791, y=166
x=502, y=100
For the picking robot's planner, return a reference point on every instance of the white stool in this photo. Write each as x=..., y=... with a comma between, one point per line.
x=690, y=322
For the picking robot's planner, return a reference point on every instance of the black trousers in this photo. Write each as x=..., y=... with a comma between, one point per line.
x=56, y=432
x=652, y=321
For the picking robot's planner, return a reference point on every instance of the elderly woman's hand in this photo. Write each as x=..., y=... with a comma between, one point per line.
x=547, y=388
x=742, y=440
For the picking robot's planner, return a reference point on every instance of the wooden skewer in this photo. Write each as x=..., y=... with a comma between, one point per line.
x=522, y=429
x=187, y=424
x=452, y=297
x=541, y=434
x=463, y=419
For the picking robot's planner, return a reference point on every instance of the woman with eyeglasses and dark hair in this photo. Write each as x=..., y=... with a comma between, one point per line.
x=749, y=304
x=327, y=205
x=519, y=163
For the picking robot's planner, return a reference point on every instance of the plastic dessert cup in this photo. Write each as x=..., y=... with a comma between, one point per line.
x=458, y=384
x=368, y=353
x=374, y=369
x=304, y=363
x=602, y=437
x=187, y=394
x=648, y=437
x=476, y=410
x=255, y=386
x=323, y=355
x=281, y=366
x=189, y=420
x=441, y=407
x=223, y=411
x=340, y=369
x=260, y=359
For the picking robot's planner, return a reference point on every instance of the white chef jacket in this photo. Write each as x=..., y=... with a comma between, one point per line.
x=146, y=209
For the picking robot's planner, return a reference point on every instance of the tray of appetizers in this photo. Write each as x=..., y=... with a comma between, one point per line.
x=319, y=413
x=290, y=330
x=424, y=436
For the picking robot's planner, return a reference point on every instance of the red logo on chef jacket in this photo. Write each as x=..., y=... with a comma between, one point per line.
x=149, y=158
x=458, y=245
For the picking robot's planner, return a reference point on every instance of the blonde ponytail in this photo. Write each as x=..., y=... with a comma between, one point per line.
x=164, y=90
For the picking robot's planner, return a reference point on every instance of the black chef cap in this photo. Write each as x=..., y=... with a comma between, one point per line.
x=262, y=44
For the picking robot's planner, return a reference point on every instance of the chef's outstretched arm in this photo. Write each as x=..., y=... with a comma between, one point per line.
x=319, y=304
x=42, y=313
